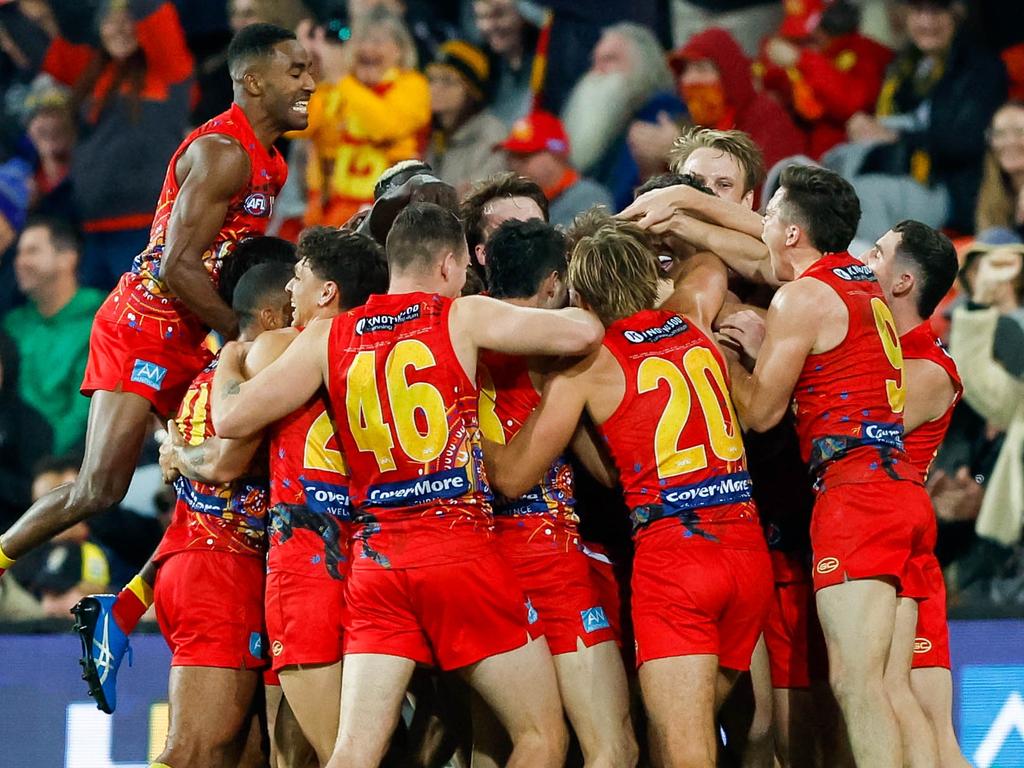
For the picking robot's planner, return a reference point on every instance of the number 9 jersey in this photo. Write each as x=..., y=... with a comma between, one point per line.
x=406, y=414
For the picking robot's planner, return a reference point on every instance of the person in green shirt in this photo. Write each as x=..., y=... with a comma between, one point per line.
x=51, y=331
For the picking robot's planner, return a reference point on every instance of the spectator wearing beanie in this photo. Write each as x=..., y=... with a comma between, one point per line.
x=465, y=131
x=538, y=148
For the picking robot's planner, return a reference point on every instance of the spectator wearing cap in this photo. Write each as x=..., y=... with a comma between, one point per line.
x=52, y=329
x=920, y=156
x=70, y=571
x=465, y=131
x=714, y=79
x=538, y=148
x=377, y=114
x=823, y=68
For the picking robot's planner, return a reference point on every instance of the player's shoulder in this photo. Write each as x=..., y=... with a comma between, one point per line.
x=267, y=347
x=804, y=296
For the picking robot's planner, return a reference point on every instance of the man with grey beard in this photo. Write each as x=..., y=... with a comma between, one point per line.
x=628, y=80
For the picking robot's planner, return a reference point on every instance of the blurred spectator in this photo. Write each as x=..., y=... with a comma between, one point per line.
x=19, y=35
x=69, y=571
x=628, y=81
x=921, y=156
x=132, y=92
x=51, y=130
x=511, y=42
x=538, y=149
x=1001, y=196
x=430, y=22
x=747, y=21
x=461, y=148
x=375, y=115
x=714, y=79
x=990, y=389
x=824, y=69
x=15, y=186
x=52, y=329
x=17, y=604
x=25, y=438
x=494, y=201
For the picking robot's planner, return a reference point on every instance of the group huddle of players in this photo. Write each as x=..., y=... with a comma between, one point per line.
x=377, y=476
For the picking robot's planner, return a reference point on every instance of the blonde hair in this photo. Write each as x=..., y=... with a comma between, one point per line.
x=996, y=198
x=382, y=17
x=614, y=270
x=735, y=143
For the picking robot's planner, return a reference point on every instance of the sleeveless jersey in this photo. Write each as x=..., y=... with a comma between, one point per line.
x=545, y=515
x=225, y=518
x=145, y=296
x=848, y=402
x=310, y=516
x=675, y=438
x=407, y=421
x=923, y=443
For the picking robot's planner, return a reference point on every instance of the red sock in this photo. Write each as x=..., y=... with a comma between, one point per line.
x=132, y=602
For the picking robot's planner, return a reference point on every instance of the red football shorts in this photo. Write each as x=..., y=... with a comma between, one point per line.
x=931, y=641
x=873, y=530
x=210, y=608
x=559, y=587
x=305, y=619
x=154, y=359
x=693, y=596
x=451, y=615
x=606, y=582
x=793, y=636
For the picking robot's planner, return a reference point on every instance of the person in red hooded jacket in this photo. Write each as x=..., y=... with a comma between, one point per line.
x=823, y=68
x=714, y=79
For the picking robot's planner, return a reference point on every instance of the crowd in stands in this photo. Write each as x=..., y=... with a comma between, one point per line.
x=916, y=102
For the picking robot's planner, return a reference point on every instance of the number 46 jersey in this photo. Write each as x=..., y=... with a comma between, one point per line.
x=406, y=415
x=675, y=438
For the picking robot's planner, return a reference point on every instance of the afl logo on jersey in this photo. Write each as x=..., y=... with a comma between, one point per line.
x=827, y=565
x=258, y=204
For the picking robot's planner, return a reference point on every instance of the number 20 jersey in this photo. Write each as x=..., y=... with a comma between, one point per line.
x=406, y=414
x=675, y=438
x=849, y=400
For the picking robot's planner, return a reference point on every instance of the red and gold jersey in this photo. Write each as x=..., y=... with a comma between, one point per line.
x=545, y=515
x=848, y=402
x=407, y=422
x=310, y=516
x=675, y=438
x=225, y=518
x=145, y=296
x=923, y=443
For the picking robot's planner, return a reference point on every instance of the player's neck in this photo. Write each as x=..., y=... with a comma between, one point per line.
x=904, y=314
x=266, y=129
x=55, y=296
x=803, y=259
x=415, y=284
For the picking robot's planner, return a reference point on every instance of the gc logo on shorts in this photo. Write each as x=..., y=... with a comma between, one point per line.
x=827, y=564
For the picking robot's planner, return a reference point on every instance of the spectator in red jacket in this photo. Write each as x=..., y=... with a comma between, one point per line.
x=714, y=79
x=824, y=69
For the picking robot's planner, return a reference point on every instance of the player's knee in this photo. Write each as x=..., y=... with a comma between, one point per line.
x=682, y=752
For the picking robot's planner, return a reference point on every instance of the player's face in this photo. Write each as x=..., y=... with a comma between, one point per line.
x=773, y=234
x=503, y=209
x=881, y=258
x=305, y=289
x=720, y=172
x=288, y=85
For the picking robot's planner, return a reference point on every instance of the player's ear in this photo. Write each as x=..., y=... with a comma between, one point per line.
x=904, y=283
x=748, y=199
x=253, y=83
x=792, y=234
x=448, y=264
x=481, y=254
x=328, y=293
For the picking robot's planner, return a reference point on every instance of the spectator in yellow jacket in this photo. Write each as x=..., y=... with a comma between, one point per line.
x=376, y=114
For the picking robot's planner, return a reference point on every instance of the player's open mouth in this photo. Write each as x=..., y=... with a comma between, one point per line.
x=302, y=107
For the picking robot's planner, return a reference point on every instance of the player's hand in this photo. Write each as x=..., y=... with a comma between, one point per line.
x=996, y=275
x=169, y=453
x=658, y=205
x=649, y=143
x=864, y=128
x=746, y=330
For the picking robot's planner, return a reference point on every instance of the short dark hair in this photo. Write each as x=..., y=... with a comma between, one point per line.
x=823, y=203
x=421, y=232
x=520, y=255
x=253, y=42
x=354, y=262
x=672, y=179
x=62, y=234
x=934, y=259
x=500, y=185
x=247, y=254
x=260, y=284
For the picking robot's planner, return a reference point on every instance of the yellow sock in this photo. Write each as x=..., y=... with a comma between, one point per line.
x=5, y=561
x=141, y=589
x=159, y=765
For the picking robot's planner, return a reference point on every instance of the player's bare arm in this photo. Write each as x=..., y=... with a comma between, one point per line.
x=516, y=467
x=590, y=450
x=242, y=408
x=479, y=322
x=796, y=315
x=929, y=393
x=659, y=205
x=743, y=253
x=210, y=173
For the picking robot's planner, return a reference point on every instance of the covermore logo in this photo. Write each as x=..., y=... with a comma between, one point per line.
x=992, y=715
